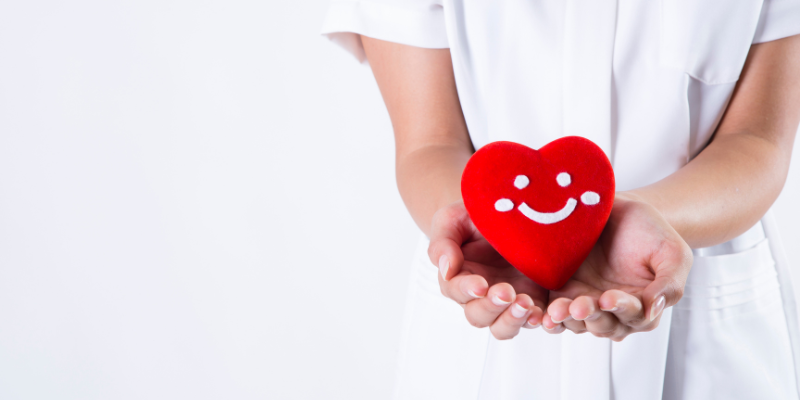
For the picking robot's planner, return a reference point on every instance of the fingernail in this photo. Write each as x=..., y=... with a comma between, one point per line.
x=471, y=293
x=444, y=265
x=518, y=311
x=553, y=329
x=615, y=309
x=498, y=301
x=657, y=307
x=569, y=318
x=529, y=325
x=592, y=312
x=592, y=316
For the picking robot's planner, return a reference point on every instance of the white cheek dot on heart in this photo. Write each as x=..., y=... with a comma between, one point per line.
x=563, y=179
x=590, y=198
x=504, y=205
x=521, y=181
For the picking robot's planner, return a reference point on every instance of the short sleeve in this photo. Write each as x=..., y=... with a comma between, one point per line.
x=419, y=23
x=779, y=19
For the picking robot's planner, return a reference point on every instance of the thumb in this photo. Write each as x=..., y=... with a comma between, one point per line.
x=667, y=287
x=450, y=229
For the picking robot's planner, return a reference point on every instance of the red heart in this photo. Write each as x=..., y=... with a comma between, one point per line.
x=544, y=227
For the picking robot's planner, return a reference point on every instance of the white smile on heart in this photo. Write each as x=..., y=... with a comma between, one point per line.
x=564, y=180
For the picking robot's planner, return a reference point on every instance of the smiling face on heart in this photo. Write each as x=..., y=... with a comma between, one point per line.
x=563, y=179
x=541, y=210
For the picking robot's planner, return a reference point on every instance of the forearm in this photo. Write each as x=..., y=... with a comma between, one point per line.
x=731, y=184
x=431, y=138
x=430, y=178
x=723, y=191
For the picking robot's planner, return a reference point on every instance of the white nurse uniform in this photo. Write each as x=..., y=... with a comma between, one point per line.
x=648, y=81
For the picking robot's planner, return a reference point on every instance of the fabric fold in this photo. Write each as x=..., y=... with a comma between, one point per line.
x=419, y=24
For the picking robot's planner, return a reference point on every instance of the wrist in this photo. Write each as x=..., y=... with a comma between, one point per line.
x=642, y=200
x=629, y=196
x=637, y=198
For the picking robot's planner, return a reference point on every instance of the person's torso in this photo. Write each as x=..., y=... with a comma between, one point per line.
x=648, y=81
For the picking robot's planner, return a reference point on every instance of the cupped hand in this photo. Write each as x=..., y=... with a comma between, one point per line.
x=637, y=268
x=471, y=272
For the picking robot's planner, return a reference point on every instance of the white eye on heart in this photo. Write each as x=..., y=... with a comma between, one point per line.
x=590, y=198
x=521, y=182
x=504, y=205
x=563, y=179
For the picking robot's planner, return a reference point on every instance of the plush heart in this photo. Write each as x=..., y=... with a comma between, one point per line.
x=541, y=210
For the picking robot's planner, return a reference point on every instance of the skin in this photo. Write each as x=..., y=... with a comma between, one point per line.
x=641, y=262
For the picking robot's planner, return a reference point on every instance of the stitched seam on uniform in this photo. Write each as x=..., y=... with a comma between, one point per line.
x=710, y=82
x=718, y=303
x=747, y=278
x=763, y=275
x=420, y=10
x=716, y=315
x=718, y=291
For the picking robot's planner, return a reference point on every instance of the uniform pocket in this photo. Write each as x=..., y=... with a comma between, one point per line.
x=723, y=286
x=729, y=337
x=708, y=39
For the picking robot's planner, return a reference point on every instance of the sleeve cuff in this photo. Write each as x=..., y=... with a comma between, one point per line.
x=413, y=26
x=779, y=19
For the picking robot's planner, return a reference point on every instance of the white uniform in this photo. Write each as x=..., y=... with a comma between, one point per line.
x=648, y=81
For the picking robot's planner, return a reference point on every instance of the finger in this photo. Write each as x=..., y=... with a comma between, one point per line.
x=574, y=289
x=596, y=321
x=557, y=313
x=663, y=292
x=620, y=332
x=483, y=312
x=574, y=326
x=580, y=309
x=449, y=230
x=464, y=287
x=558, y=310
x=535, y=319
x=604, y=324
x=627, y=308
x=550, y=326
x=507, y=325
x=671, y=264
x=523, y=284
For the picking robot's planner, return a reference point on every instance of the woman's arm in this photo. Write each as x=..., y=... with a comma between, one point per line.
x=717, y=196
x=732, y=183
x=431, y=140
x=433, y=146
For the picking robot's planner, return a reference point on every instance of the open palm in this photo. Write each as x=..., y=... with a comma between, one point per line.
x=493, y=293
x=481, y=259
x=638, y=267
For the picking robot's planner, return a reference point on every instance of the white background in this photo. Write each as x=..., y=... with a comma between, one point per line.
x=197, y=201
